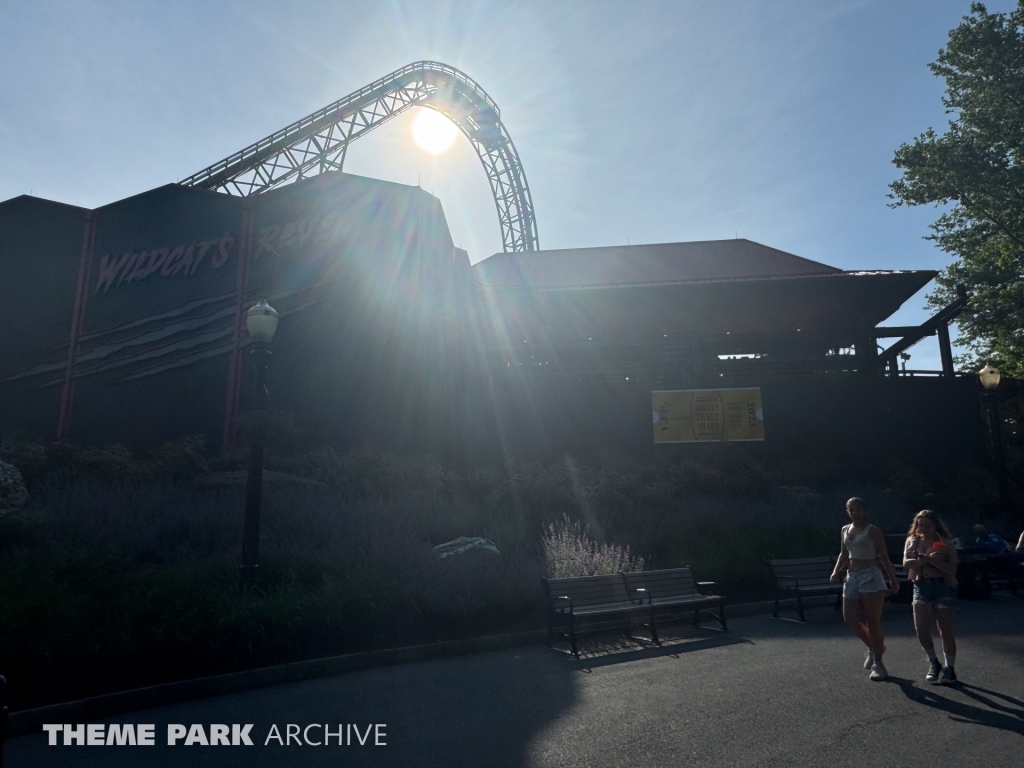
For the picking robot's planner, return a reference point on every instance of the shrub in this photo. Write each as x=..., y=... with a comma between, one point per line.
x=368, y=473
x=183, y=458
x=13, y=495
x=569, y=552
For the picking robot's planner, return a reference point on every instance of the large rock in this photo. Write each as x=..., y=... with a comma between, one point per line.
x=467, y=548
x=470, y=567
x=13, y=494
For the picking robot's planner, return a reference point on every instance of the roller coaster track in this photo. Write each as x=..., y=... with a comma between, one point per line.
x=319, y=142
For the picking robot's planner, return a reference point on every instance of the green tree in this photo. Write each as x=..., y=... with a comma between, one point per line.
x=975, y=171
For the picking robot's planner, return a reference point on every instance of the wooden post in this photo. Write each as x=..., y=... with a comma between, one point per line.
x=946, y=351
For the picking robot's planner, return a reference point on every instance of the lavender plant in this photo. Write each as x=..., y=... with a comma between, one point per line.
x=569, y=552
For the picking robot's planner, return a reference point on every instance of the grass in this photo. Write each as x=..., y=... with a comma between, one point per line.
x=123, y=573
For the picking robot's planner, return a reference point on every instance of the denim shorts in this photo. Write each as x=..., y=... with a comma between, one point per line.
x=935, y=592
x=863, y=582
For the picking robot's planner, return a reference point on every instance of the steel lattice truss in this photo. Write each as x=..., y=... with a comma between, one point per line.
x=318, y=142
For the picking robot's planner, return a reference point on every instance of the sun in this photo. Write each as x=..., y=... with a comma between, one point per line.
x=433, y=132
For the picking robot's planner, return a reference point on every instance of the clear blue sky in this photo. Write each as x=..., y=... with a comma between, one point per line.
x=640, y=121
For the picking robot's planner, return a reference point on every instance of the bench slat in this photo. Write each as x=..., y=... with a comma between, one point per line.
x=660, y=584
x=590, y=590
x=669, y=584
x=787, y=583
x=804, y=560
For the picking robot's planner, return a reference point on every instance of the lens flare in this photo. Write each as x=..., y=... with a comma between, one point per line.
x=433, y=132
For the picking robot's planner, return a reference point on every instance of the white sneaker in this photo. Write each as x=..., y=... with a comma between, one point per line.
x=869, y=659
x=878, y=671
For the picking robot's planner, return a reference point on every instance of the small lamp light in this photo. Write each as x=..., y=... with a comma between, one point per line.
x=262, y=322
x=989, y=376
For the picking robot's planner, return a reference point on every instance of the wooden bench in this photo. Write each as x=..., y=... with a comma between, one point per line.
x=593, y=597
x=1006, y=571
x=675, y=589
x=804, y=577
x=645, y=593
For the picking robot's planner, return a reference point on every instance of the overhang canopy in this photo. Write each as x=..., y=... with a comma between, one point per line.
x=709, y=288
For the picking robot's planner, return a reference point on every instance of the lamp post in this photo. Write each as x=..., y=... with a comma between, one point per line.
x=261, y=321
x=989, y=376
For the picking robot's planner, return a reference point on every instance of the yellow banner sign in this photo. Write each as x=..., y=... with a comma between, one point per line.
x=688, y=415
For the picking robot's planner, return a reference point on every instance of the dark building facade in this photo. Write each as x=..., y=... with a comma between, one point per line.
x=126, y=324
x=581, y=337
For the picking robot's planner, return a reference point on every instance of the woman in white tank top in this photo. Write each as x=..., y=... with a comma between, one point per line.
x=863, y=551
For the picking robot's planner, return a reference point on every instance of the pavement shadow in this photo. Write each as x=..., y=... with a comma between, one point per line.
x=482, y=710
x=822, y=621
x=1002, y=711
x=596, y=655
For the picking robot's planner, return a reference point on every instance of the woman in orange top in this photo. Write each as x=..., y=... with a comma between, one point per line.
x=930, y=559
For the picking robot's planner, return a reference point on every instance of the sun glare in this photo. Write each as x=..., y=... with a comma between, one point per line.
x=433, y=132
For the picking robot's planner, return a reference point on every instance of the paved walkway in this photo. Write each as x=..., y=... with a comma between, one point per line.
x=770, y=693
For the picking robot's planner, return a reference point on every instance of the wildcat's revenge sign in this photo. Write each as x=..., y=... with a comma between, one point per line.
x=692, y=415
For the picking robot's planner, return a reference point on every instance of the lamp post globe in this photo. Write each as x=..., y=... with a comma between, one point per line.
x=261, y=320
x=989, y=376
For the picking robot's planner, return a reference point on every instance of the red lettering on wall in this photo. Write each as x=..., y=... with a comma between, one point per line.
x=306, y=228
x=203, y=248
x=287, y=235
x=140, y=267
x=156, y=260
x=186, y=261
x=108, y=271
x=165, y=271
x=128, y=267
x=223, y=251
x=132, y=266
x=264, y=238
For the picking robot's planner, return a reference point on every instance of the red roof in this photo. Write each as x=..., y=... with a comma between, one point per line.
x=662, y=263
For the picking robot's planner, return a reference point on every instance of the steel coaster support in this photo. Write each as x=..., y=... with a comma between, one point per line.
x=319, y=142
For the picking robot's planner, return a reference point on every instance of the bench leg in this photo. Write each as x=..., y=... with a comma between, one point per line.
x=775, y=613
x=839, y=602
x=800, y=608
x=551, y=628
x=572, y=636
x=721, y=616
x=654, y=629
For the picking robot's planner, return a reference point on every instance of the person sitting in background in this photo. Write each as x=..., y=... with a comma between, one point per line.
x=992, y=542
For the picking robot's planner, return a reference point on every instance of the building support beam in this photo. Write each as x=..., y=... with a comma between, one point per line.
x=946, y=350
x=940, y=320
